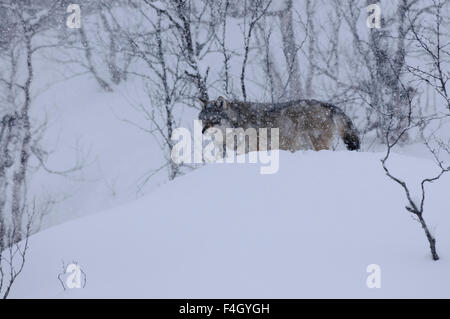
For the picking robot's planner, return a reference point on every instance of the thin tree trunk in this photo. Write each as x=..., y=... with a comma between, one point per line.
x=290, y=50
x=311, y=49
x=88, y=54
x=24, y=131
x=173, y=167
x=112, y=52
x=431, y=239
x=186, y=35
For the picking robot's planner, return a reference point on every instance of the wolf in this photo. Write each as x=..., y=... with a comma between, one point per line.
x=303, y=124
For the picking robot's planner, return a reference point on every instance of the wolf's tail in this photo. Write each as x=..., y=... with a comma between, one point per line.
x=348, y=132
x=346, y=129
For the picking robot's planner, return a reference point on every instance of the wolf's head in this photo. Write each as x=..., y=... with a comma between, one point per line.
x=215, y=113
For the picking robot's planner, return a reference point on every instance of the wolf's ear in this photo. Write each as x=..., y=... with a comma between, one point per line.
x=203, y=102
x=223, y=102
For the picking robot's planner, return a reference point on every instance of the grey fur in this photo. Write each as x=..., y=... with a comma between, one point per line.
x=303, y=124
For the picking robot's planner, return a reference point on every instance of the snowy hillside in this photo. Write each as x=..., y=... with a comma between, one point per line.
x=97, y=97
x=310, y=230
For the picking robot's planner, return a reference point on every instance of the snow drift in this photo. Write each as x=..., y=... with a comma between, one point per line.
x=225, y=231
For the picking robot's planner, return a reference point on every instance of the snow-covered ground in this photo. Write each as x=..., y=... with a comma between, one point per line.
x=224, y=230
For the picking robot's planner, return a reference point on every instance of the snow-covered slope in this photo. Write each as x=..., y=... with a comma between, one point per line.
x=224, y=230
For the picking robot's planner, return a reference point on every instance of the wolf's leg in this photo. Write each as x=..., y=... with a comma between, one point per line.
x=300, y=142
x=324, y=139
x=224, y=150
x=321, y=142
x=315, y=143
